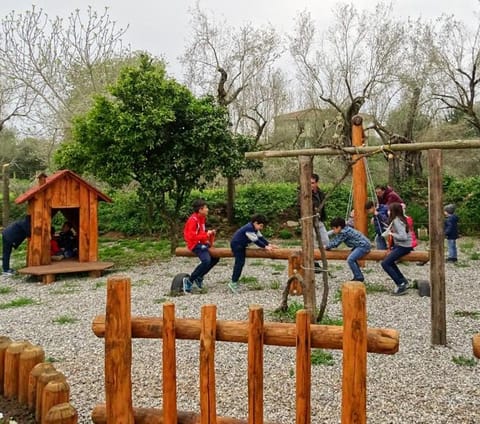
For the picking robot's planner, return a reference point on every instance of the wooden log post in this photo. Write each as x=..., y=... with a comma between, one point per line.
x=36, y=372
x=63, y=413
x=255, y=365
x=437, y=264
x=354, y=375
x=295, y=261
x=303, y=368
x=379, y=340
x=309, y=293
x=118, y=351
x=43, y=380
x=208, y=411
x=285, y=253
x=476, y=345
x=359, y=176
x=169, y=362
x=31, y=356
x=4, y=343
x=55, y=393
x=12, y=365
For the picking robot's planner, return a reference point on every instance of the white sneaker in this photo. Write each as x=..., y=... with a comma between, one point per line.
x=233, y=287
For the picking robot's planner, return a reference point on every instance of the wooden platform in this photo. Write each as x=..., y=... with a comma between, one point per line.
x=66, y=266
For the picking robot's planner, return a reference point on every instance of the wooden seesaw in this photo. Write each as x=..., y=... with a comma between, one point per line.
x=295, y=259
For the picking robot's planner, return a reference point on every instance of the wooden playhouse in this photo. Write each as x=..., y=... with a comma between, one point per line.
x=77, y=201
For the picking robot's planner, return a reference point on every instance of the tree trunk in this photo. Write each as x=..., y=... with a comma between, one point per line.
x=230, y=200
x=6, y=196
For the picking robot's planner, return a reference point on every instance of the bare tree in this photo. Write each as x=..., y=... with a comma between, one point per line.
x=454, y=50
x=43, y=61
x=237, y=67
x=349, y=64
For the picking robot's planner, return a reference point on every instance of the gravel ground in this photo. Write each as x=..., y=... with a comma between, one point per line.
x=419, y=384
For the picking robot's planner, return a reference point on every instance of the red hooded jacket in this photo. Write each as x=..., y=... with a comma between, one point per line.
x=194, y=231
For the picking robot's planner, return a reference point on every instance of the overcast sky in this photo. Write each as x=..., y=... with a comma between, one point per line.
x=162, y=27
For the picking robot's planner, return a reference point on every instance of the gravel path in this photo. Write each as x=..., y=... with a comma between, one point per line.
x=419, y=384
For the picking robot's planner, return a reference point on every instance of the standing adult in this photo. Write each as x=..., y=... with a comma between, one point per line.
x=386, y=195
x=402, y=244
x=13, y=236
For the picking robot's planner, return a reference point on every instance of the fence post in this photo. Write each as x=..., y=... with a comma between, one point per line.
x=169, y=365
x=303, y=367
x=4, y=343
x=63, y=413
x=255, y=365
x=12, y=364
x=118, y=352
x=208, y=412
x=31, y=356
x=354, y=379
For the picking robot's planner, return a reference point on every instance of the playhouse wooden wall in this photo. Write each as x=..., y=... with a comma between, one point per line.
x=78, y=203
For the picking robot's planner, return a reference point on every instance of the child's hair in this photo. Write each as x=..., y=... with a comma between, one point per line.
x=198, y=204
x=450, y=209
x=337, y=222
x=369, y=205
x=68, y=224
x=315, y=177
x=52, y=230
x=396, y=211
x=259, y=219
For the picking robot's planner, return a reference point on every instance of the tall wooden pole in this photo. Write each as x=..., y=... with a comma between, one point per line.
x=309, y=295
x=359, y=178
x=437, y=260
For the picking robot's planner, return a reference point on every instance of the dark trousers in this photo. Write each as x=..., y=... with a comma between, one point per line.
x=206, y=262
x=6, y=253
x=239, y=254
x=389, y=264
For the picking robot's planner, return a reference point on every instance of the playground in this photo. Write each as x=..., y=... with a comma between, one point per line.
x=420, y=383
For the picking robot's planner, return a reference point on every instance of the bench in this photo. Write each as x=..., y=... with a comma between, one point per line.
x=295, y=260
x=47, y=272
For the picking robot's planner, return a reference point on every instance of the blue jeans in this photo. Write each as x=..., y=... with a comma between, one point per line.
x=239, y=254
x=390, y=267
x=357, y=253
x=6, y=253
x=452, y=248
x=206, y=262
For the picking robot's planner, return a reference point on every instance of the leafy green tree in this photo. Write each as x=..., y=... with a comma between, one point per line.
x=152, y=131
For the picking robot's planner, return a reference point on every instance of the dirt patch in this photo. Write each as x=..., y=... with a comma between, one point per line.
x=12, y=410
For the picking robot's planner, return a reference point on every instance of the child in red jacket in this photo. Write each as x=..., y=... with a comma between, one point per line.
x=198, y=240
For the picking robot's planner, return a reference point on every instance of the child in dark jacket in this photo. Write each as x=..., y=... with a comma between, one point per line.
x=352, y=238
x=380, y=222
x=249, y=233
x=451, y=232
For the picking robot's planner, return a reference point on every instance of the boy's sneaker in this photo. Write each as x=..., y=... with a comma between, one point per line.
x=400, y=290
x=452, y=260
x=198, y=282
x=233, y=287
x=187, y=285
x=318, y=268
x=9, y=272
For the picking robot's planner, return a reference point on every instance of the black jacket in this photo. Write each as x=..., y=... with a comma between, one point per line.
x=16, y=232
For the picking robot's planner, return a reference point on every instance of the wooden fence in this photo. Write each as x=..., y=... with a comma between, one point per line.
x=476, y=345
x=118, y=328
x=33, y=383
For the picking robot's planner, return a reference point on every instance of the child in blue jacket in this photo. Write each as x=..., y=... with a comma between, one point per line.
x=249, y=233
x=451, y=232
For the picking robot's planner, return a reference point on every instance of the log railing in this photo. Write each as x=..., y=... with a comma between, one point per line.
x=118, y=328
x=476, y=345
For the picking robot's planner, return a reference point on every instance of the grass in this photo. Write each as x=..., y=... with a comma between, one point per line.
x=65, y=319
x=464, y=361
x=18, y=303
x=467, y=314
x=321, y=357
x=6, y=290
x=251, y=283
